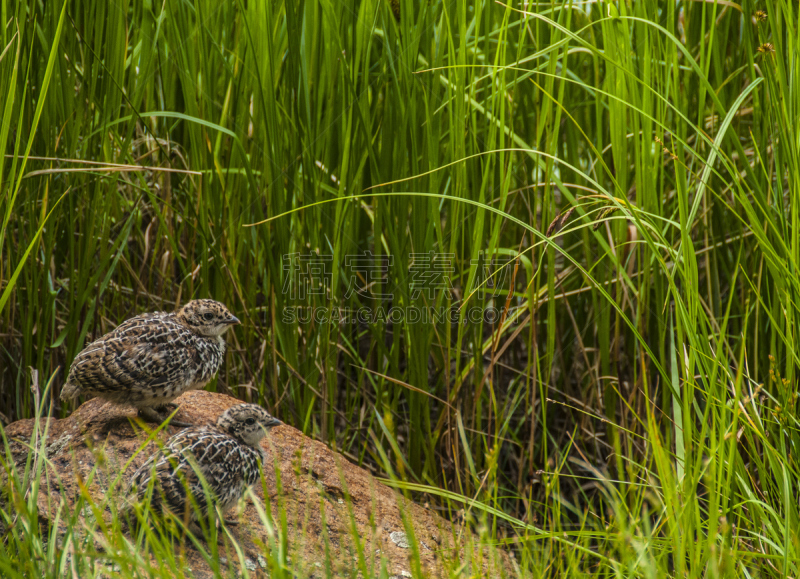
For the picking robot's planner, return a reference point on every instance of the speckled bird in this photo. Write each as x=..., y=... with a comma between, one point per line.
x=227, y=455
x=153, y=358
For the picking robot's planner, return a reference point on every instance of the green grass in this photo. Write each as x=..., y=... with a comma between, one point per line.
x=635, y=412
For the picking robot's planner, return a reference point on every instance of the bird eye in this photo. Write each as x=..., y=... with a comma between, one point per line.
x=208, y=316
x=250, y=421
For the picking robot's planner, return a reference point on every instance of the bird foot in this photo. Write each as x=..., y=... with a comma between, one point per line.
x=221, y=518
x=154, y=415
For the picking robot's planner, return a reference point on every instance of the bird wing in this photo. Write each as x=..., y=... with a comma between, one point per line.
x=139, y=353
x=229, y=467
x=202, y=450
x=226, y=465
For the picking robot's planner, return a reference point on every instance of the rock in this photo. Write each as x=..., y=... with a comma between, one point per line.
x=326, y=500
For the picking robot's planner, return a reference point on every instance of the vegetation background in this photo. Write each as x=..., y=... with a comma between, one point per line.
x=628, y=171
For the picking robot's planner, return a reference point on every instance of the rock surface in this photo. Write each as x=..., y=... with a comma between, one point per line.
x=327, y=501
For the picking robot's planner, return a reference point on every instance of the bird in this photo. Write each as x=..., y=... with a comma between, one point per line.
x=227, y=455
x=151, y=359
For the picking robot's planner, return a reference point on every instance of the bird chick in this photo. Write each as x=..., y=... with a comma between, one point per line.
x=151, y=359
x=227, y=456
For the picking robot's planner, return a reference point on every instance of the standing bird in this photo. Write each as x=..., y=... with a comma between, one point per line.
x=226, y=455
x=152, y=359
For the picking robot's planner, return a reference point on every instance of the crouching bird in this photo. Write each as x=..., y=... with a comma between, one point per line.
x=151, y=359
x=204, y=466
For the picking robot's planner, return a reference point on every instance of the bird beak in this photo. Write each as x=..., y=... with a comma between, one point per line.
x=274, y=422
x=233, y=321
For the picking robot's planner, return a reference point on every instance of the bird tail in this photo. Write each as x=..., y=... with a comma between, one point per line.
x=70, y=390
x=127, y=516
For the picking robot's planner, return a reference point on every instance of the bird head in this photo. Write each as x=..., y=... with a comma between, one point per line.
x=207, y=317
x=247, y=422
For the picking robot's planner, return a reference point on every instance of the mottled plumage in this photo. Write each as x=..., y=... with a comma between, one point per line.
x=227, y=455
x=153, y=358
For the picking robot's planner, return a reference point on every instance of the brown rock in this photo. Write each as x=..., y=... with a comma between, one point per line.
x=328, y=503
